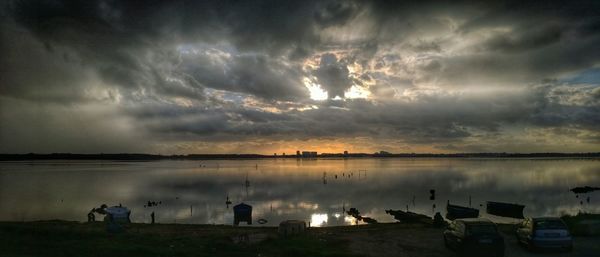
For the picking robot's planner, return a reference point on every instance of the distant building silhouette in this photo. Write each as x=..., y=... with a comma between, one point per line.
x=308, y=154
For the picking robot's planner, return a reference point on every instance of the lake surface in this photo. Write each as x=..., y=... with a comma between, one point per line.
x=280, y=189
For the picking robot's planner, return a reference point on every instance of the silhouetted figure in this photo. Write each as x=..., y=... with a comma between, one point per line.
x=152, y=216
x=356, y=214
x=353, y=212
x=227, y=202
x=91, y=216
x=438, y=220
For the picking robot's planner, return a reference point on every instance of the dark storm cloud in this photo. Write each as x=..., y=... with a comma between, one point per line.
x=426, y=73
x=257, y=75
x=527, y=39
x=333, y=76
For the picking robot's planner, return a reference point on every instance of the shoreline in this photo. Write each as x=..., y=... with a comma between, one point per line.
x=153, y=157
x=69, y=238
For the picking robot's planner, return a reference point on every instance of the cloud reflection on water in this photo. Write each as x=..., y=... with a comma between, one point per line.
x=289, y=189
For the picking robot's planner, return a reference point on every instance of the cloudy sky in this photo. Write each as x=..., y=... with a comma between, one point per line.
x=275, y=76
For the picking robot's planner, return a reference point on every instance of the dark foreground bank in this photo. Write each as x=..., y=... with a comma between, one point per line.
x=62, y=238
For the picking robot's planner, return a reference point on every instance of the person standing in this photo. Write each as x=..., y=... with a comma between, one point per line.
x=91, y=216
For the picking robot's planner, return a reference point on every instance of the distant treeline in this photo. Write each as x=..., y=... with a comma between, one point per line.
x=152, y=157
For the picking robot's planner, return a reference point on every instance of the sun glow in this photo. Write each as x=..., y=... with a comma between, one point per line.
x=315, y=90
x=318, y=219
x=357, y=92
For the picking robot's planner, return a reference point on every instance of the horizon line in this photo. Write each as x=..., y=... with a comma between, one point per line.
x=307, y=155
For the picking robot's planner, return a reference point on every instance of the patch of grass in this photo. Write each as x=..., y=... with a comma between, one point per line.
x=304, y=245
x=59, y=238
x=574, y=222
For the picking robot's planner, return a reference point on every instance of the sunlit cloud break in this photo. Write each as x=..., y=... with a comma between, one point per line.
x=278, y=76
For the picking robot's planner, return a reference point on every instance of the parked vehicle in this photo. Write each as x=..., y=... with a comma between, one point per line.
x=474, y=237
x=536, y=233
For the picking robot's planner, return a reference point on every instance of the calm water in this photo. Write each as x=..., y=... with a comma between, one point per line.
x=282, y=189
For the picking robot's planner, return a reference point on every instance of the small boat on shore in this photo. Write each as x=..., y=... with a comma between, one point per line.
x=460, y=212
x=510, y=210
x=584, y=190
x=409, y=217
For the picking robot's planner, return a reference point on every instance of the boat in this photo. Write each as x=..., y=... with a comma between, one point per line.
x=368, y=220
x=409, y=217
x=460, y=212
x=584, y=190
x=510, y=210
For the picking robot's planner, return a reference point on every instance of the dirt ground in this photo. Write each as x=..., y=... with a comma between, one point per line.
x=419, y=241
x=63, y=238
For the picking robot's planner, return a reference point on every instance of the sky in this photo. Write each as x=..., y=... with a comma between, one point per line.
x=177, y=77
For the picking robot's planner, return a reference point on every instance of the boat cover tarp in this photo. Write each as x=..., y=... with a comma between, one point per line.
x=459, y=212
x=509, y=210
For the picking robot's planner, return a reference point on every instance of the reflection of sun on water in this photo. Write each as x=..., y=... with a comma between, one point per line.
x=350, y=220
x=318, y=219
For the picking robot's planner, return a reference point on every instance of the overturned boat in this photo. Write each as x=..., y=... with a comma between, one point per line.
x=460, y=212
x=509, y=210
x=409, y=217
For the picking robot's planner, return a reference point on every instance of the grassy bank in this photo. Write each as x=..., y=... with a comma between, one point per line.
x=61, y=238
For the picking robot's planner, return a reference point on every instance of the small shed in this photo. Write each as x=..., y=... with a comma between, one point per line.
x=242, y=213
x=118, y=214
x=116, y=218
x=291, y=227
